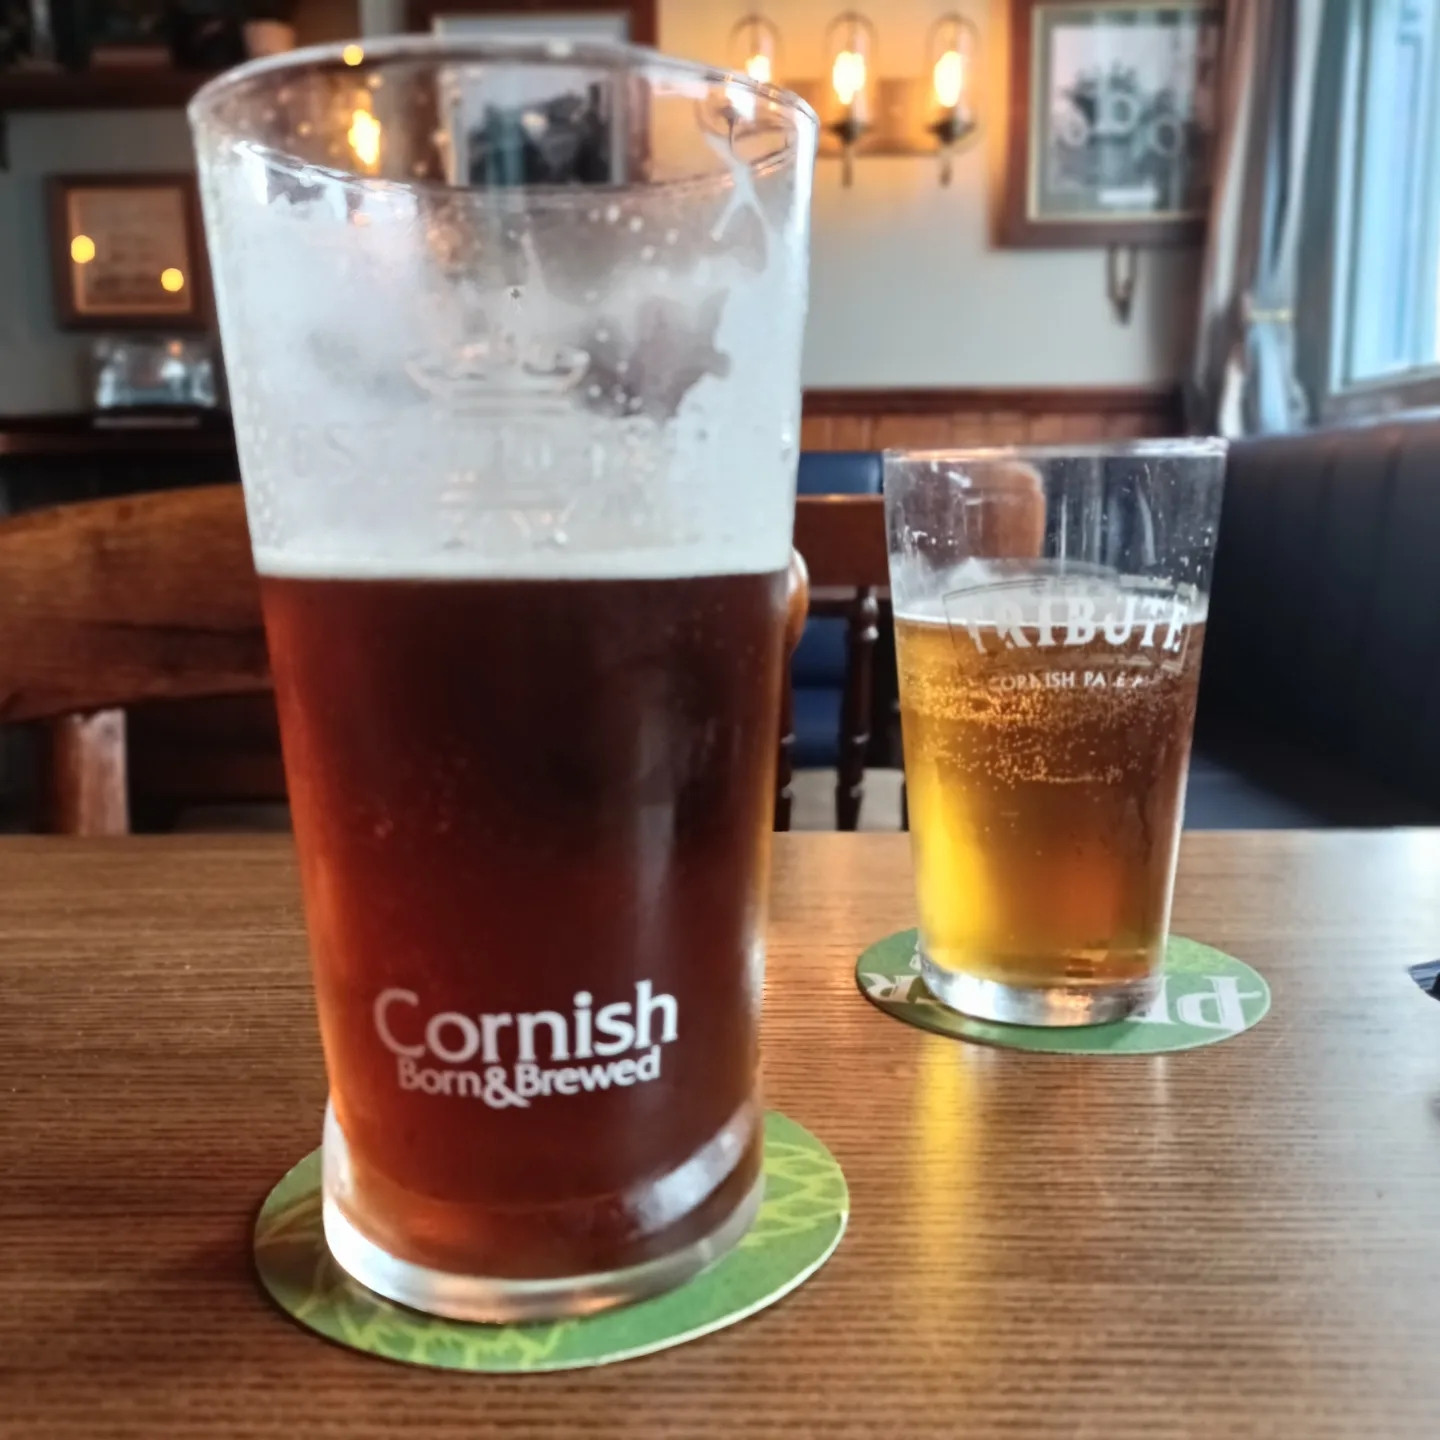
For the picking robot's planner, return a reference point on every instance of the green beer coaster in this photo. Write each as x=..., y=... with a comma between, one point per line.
x=801, y=1220
x=1205, y=996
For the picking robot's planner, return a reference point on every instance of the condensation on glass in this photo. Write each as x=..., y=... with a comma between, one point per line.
x=513, y=338
x=1050, y=611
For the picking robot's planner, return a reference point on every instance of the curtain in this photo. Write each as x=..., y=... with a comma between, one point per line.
x=1260, y=257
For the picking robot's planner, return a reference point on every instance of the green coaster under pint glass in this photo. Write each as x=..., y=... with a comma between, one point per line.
x=1050, y=609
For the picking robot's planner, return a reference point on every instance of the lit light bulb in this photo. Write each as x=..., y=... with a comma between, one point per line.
x=759, y=69
x=754, y=49
x=172, y=280
x=82, y=249
x=950, y=53
x=352, y=54
x=847, y=75
x=949, y=79
x=364, y=137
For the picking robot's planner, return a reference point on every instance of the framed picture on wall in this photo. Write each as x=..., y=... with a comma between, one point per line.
x=1112, y=121
x=548, y=125
x=633, y=20
x=126, y=252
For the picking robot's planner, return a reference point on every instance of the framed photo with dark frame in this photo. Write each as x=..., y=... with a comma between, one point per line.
x=1112, y=121
x=127, y=252
x=638, y=19
x=549, y=125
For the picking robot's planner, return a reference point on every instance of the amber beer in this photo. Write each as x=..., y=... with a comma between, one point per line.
x=533, y=821
x=1047, y=731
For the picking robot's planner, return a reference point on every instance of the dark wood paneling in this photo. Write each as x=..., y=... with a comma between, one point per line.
x=128, y=432
x=118, y=89
x=913, y=417
x=1163, y=401
x=867, y=419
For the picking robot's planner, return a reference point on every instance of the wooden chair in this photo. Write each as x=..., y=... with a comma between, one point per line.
x=111, y=603
x=841, y=539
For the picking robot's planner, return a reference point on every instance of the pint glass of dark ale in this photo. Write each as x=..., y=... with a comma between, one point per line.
x=513, y=338
x=1050, y=610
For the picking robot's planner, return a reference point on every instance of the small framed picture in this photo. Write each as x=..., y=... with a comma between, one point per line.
x=634, y=20
x=548, y=125
x=1113, y=121
x=127, y=252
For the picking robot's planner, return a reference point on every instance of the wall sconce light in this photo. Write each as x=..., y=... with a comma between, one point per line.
x=863, y=113
x=950, y=57
x=850, y=45
x=755, y=49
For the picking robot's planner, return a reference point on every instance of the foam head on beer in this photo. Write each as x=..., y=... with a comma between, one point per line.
x=591, y=382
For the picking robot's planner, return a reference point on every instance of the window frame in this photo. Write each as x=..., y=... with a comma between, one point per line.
x=1363, y=226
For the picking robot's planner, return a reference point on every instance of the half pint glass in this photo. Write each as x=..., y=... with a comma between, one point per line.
x=513, y=338
x=1049, y=617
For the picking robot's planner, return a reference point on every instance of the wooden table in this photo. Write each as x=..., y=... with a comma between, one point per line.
x=1237, y=1241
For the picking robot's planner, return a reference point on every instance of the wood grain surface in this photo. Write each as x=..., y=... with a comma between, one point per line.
x=81, y=760
x=842, y=538
x=872, y=419
x=1237, y=1241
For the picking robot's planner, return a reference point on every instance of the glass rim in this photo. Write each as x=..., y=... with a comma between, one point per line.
x=1177, y=448
x=615, y=55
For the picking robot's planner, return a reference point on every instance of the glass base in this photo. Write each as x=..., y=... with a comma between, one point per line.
x=492, y=1299
x=1054, y=1005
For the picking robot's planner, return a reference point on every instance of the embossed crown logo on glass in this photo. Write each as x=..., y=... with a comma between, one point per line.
x=496, y=371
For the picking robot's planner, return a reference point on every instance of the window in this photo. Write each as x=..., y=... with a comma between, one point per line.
x=1385, y=346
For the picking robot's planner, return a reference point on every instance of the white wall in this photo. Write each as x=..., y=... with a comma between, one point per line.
x=907, y=287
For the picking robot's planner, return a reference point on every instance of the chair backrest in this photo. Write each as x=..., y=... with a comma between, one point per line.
x=112, y=603
x=841, y=539
x=840, y=472
x=109, y=603
x=820, y=663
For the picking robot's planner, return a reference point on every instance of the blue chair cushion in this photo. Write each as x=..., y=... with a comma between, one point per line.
x=818, y=666
x=817, y=727
x=839, y=472
x=819, y=658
